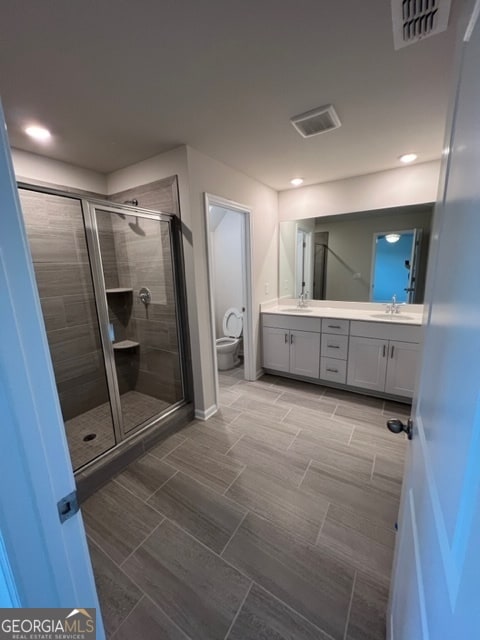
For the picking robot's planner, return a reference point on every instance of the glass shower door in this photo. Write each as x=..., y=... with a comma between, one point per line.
x=56, y=235
x=140, y=312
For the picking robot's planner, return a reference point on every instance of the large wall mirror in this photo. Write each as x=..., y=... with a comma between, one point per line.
x=364, y=256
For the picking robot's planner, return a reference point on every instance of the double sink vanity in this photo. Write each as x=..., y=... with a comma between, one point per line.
x=356, y=346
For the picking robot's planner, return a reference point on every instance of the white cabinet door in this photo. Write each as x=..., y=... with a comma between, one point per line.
x=305, y=354
x=402, y=368
x=367, y=363
x=276, y=349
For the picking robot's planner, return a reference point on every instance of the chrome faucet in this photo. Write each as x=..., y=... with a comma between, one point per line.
x=302, y=300
x=394, y=307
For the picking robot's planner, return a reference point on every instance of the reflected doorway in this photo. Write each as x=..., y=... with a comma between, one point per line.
x=396, y=256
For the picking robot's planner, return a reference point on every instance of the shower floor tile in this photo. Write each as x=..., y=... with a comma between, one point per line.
x=136, y=408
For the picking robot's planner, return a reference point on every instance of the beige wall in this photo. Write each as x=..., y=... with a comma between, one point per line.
x=32, y=167
x=415, y=184
x=211, y=176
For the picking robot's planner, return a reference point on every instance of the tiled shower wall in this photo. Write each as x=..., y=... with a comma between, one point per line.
x=145, y=261
x=58, y=246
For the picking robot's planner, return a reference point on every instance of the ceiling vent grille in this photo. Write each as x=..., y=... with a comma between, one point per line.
x=319, y=120
x=414, y=20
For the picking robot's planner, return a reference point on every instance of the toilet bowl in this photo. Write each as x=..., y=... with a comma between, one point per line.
x=228, y=346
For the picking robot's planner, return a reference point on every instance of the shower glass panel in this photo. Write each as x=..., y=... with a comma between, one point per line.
x=138, y=273
x=56, y=234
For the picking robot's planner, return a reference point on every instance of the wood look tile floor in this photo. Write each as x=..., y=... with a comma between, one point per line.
x=275, y=519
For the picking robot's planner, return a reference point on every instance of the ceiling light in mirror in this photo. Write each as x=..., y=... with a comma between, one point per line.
x=392, y=237
x=296, y=182
x=408, y=157
x=38, y=133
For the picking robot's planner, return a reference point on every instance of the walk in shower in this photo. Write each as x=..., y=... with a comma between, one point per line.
x=110, y=282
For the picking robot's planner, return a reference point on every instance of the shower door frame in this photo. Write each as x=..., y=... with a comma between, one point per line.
x=88, y=205
x=89, y=208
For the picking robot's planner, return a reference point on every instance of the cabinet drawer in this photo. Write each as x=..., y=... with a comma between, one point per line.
x=334, y=370
x=386, y=331
x=332, y=325
x=295, y=323
x=334, y=346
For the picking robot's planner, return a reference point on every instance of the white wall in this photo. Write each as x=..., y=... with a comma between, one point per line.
x=227, y=263
x=31, y=167
x=415, y=184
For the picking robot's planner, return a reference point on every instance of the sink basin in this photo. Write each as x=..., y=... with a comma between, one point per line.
x=391, y=317
x=296, y=310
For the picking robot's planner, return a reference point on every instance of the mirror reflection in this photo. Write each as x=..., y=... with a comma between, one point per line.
x=352, y=257
x=395, y=262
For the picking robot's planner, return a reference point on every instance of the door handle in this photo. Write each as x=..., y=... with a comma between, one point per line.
x=286, y=338
x=384, y=350
x=332, y=370
x=291, y=338
x=392, y=350
x=333, y=346
x=396, y=426
x=334, y=326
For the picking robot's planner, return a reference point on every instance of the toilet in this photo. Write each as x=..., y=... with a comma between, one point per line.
x=229, y=346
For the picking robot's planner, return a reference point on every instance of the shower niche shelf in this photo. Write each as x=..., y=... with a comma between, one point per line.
x=125, y=344
x=119, y=290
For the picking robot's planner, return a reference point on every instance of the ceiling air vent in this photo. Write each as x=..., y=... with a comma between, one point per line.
x=414, y=20
x=320, y=120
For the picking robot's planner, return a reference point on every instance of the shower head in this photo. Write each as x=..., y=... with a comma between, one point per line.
x=133, y=202
x=136, y=228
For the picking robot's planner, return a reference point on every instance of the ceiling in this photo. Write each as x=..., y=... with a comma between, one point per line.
x=118, y=81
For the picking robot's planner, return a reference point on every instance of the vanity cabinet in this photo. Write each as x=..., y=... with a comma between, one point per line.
x=381, y=357
x=386, y=363
x=291, y=346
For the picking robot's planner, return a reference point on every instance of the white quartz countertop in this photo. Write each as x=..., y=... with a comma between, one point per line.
x=409, y=314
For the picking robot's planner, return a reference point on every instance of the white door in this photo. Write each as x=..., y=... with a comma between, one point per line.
x=367, y=363
x=305, y=354
x=436, y=580
x=47, y=562
x=401, y=368
x=276, y=349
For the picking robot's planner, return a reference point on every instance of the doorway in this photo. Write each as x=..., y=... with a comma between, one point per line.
x=230, y=288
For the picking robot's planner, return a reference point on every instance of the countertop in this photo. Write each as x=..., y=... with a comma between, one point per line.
x=368, y=312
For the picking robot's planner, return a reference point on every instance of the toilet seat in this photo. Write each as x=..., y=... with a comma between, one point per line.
x=232, y=323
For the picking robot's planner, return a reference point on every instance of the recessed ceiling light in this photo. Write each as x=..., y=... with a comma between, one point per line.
x=408, y=157
x=296, y=182
x=38, y=133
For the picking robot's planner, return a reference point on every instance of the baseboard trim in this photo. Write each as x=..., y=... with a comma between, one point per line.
x=208, y=413
x=259, y=374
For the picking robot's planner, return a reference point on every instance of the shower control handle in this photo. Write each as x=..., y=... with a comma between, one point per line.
x=145, y=295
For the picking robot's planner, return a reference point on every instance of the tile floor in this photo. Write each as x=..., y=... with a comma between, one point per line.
x=136, y=407
x=274, y=519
